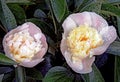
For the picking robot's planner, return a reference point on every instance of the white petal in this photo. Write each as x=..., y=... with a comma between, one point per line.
x=68, y=25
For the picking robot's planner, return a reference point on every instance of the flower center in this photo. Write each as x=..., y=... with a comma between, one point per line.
x=81, y=40
x=23, y=46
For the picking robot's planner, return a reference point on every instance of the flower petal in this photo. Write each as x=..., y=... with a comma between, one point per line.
x=68, y=25
x=81, y=18
x=83, y=66
x=109, y=35
x=98, y=22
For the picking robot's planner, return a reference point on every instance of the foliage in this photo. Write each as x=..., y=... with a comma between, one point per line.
x=49, y=16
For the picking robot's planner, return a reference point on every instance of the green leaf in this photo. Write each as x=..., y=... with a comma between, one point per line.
x=109, y=9
x=117, y=69
x=20, y=74
x=118, y=25
x=18, y=12
x=39, y=14
x=5, y=60
x=8, y=77
x=19, y=1
x=58, y=74
x=6, y=16
x=59, y=8
x=114, y=1
x=114, y=48
x=44, y=27
x=94, y=76
x=34, y=73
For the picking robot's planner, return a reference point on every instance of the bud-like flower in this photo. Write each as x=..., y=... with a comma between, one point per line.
x=25, y=44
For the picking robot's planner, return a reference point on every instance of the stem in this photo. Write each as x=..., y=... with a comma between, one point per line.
x=3, y=29
x=20, y=74
x=55, y=27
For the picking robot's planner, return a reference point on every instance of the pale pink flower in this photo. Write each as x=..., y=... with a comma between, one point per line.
x=85, y=34
x=25, y=44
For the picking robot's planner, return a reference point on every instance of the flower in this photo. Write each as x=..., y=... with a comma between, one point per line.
x=25, y=44
x=85, y=34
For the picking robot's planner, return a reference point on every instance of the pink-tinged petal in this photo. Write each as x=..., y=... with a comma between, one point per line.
x=68, y=25
x=82, y=66
x=109, y=35
x=98, y=22
x=31, y=63
x=81, y=18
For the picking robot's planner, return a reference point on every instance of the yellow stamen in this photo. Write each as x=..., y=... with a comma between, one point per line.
x=81, y=40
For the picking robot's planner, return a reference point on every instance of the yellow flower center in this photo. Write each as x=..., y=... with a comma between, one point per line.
x=23, y=46
x=81, y=40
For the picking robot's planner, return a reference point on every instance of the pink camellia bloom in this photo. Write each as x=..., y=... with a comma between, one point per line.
x=25, y=44
x=85, y=34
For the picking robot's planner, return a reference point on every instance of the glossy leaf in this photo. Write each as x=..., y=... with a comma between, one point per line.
x=20, y=74
x=19, y=1
x=109, y=9
x=18, y=12
x=118, y=25
x=114, y=48
x=59, y=8
x=39, y=14
x=58, y=74
x=6, y=16
x=34, y=73
x=94, y=76
x=117, y=69
x=5, y=60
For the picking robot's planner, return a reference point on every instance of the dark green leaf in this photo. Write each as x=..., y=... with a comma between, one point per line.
x=117, y=69
x=20, y=74
x=58, y=74
x=94, y=76
x=34, y=73
x=114, y=48
x=118, y=25
x=39, y=14
x=6, y=16
x=8, y=77
x=5, y=60
x=59, y=8
x=44, y=27
x=18, y=12
x=19, y=1
x=114, y=1
x=109, y=9
x=82, y=4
